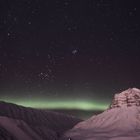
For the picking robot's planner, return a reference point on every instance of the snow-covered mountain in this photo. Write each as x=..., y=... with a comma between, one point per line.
x=21, y=123
x=121, y=121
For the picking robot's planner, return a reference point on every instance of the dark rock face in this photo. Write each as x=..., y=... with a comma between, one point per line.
x=120, y=122
x=46, y=124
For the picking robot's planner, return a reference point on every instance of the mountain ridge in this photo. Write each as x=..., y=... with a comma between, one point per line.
x=46, y=124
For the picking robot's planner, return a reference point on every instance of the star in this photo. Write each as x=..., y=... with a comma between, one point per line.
x=74, y=51
x=69, y=29
x=135, y=9
x=29, y=22
x=44, y=76
x=66, y=3
x=8, y=34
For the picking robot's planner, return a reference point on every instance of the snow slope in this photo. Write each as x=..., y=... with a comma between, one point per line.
x=120, y=122
x=18, y=129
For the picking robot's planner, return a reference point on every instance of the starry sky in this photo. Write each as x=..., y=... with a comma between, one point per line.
x=72, y=53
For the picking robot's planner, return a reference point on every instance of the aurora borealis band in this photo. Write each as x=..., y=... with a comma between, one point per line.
x=68, y=54
x=60, y=104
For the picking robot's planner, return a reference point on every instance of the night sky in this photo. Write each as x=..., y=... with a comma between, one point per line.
x=68, y=53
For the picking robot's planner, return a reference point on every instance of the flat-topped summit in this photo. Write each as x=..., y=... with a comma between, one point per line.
x=129, y=97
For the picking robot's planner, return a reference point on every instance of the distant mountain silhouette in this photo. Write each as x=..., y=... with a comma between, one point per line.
x=22, y=123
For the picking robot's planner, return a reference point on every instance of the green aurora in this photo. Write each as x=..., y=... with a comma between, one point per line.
x=60, y=104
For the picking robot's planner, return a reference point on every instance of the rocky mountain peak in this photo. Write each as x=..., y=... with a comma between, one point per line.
x=129, y=97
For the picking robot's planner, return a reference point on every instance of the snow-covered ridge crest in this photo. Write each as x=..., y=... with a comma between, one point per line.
x=129, y=97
